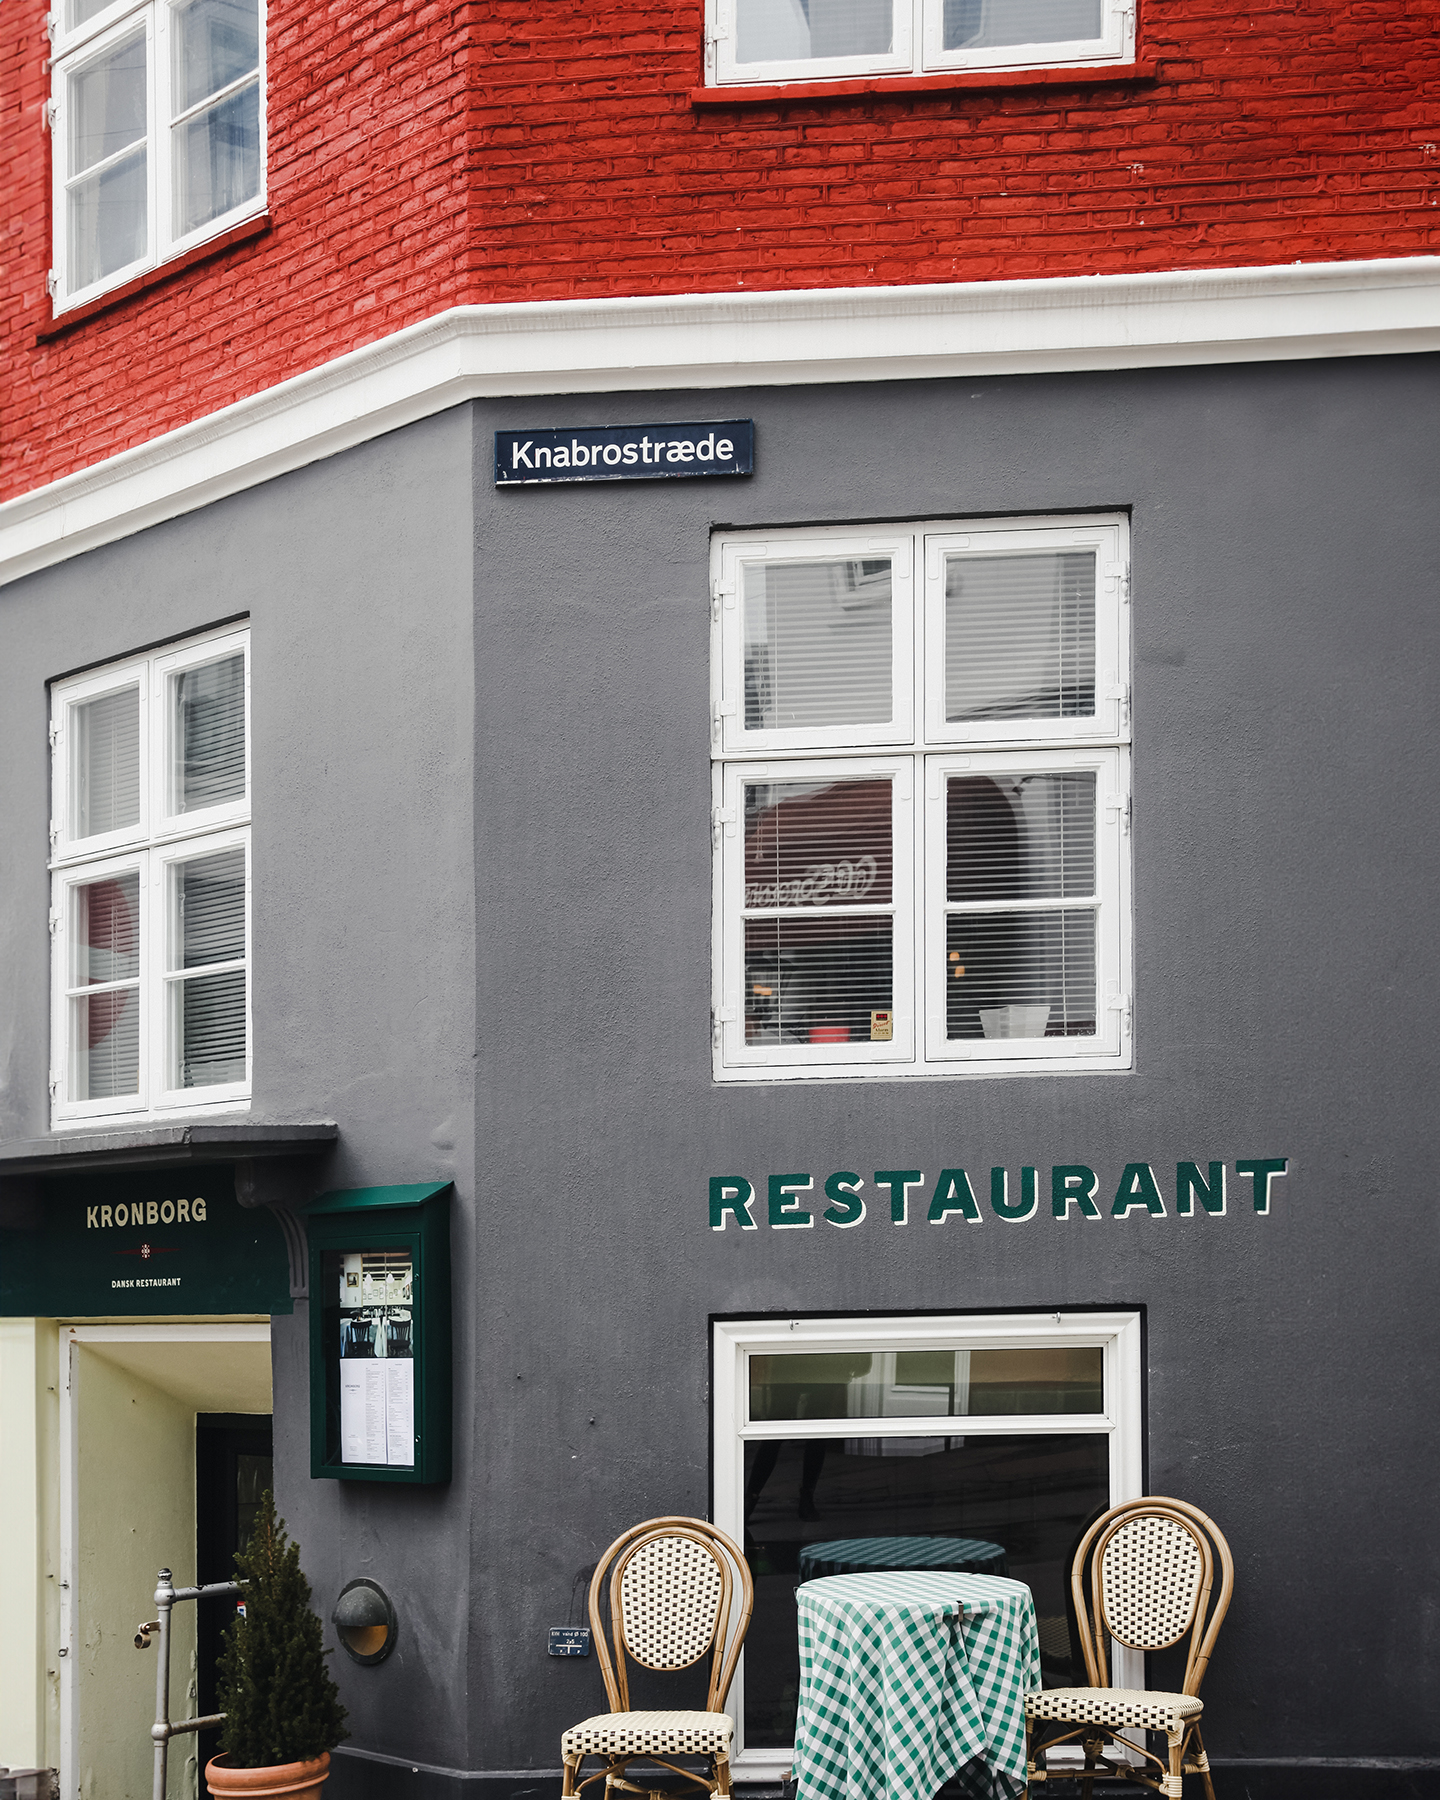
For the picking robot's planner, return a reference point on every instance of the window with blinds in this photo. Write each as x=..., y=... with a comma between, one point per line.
x=921, y=810
x=815, y=40
x=150, y=870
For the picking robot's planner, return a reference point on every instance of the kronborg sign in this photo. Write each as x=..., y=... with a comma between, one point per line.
x=1076, y=1191
x=625, y=452
x=166, y=1242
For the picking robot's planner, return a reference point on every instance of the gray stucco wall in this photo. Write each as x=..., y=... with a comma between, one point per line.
x=1285, y=546
x=481, y=844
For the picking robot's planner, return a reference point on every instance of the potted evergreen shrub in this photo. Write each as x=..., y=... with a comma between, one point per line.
x=282, y=1709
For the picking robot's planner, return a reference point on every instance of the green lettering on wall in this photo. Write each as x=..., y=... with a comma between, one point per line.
x=785, y=1207
x=1073, y=1183
x=1190, y=1185
x=953, y=1193
x=1262, y=1170
x=843, y=1188
x=730, y=1194
x=899, y=1182
x=1000, y=1202
x=1138, y=1187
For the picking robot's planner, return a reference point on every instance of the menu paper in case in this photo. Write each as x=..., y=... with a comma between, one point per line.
x=400, y=1411
x=364, y=1397
x=352, y=1410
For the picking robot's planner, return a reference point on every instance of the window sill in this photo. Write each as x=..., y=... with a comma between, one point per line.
x=951, y=81
x=167, y=271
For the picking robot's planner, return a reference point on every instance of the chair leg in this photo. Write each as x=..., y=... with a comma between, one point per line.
x=1201, y=1762
x=1092, y=1748
x=722, y=1773
x=572, y=1769
x=1173, y=1784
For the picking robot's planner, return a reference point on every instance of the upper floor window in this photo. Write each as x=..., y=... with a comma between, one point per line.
x=828, y=40
x=150, y=902
x=159, y=132
x=921, y=791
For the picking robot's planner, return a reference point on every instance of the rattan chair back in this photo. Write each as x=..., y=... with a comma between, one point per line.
x=1150, y=1569
x=678, y=1588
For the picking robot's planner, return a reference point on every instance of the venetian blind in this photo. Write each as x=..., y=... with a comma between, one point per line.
x=105, y=1027
x=817, y=644
x=1019, y=949
x=989, y=24
x=210, y=929
x=799, y=30
x=1020, y=637
x=210, y=734
x=819, y=926
x=106, y=763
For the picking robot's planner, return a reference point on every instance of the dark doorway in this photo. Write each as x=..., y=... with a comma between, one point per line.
x=234, y=1464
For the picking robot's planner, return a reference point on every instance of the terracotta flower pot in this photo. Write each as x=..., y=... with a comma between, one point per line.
x=295, y=1780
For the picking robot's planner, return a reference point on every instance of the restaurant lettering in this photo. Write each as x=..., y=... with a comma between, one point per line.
x=145, y=1212
x=1075, y=1191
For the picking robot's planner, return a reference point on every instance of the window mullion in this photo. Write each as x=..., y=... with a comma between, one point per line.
x=249, y=79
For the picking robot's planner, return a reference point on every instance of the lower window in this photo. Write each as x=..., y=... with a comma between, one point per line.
x=984, y=1443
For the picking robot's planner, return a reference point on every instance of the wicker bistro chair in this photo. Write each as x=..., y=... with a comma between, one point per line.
x=671, y=1595
x=1151, y=1568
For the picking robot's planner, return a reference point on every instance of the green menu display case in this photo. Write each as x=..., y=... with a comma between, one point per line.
x=380, y=1333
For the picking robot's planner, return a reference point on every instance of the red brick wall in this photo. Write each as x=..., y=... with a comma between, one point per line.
x=425, y=155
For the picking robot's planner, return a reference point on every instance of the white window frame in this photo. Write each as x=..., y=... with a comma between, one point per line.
x=916, y=49
x=917, y=749
x=72, y=51
x=159, y=839
x=734, y=1341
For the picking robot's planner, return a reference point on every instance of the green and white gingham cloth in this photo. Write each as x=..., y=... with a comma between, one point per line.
x=899, y=1692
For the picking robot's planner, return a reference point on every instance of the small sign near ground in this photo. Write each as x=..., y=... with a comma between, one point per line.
x=569, y=1640
x=624, y=452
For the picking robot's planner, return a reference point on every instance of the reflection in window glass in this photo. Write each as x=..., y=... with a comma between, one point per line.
x=105, y=760
x=995, y=1505
x=1021, y=971
x=990, y=24
x=217, y=160
x=802, y=30
x=882, y=1384
x=209, y=734
x=107, y=105
x=216, y=42
x=821, y=971
x=105, y=1026
x=817, y=644
x=1020, y=637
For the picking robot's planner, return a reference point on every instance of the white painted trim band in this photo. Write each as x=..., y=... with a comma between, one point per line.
x=1177, y=318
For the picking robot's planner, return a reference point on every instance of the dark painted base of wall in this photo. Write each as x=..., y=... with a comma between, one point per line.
x=365, y=1777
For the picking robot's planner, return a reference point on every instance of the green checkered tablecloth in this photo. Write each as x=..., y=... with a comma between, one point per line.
x=898, y=1692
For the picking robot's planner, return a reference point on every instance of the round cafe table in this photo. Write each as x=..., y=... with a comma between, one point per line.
x=854, y=1556
x=909, y=1678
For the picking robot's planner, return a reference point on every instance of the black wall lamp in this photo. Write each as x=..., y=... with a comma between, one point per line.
x=365, y=1621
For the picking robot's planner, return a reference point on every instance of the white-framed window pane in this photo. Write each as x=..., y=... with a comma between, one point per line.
x=209, y=901
x=1003, y=1504
x=105, y=930
x=818, y=643
x=1020, y=973
x=812, y=30
x=991, y=24
x=108, y=220
x=208, y=734
x=78, y=12
x=105, y=763
x=108, y=108
x=208, y=1029
x=815, y=971
x=105, y=1033
x=217, y=160
x=1020, y=837
x=1020, y=636
x=879, y=1384
x=216, y=42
